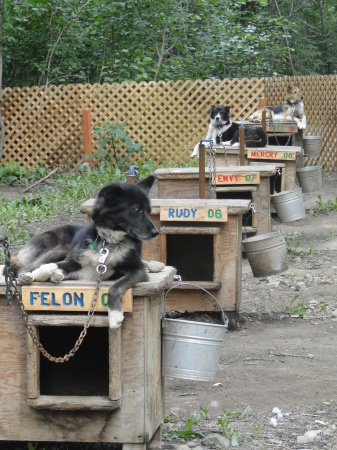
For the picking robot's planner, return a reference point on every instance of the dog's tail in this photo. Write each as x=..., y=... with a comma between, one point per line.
x=15, y=266
x=262, y=142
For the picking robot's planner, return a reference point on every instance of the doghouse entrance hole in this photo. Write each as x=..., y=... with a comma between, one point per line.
x=86, y=373
x=247, y=219
x=192, y=255
x=278, y=140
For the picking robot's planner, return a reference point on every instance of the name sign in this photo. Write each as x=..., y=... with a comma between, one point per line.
x=69, y=299
x=194, y=213
x=269, y=154
x=281, y=128
x=238, y=178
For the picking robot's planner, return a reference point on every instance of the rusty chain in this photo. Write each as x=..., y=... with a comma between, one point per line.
x=12, y=290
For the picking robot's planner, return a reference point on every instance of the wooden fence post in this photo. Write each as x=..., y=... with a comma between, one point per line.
x=242, y=145
x=202, y=172
x=87, y=134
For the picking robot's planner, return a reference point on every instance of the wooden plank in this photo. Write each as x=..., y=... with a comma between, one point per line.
x=189, y=230
x=33, y=366
x=247, y=188
x=47, y=297
x=115, y=361
x=202, y=178
x=74, y=403
x=237, y=178
x=285, y=154
x=234, y=207
x=193, y=213
x=279, y=127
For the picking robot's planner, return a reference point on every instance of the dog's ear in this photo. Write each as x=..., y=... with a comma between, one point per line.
x=108, y=196
x=146, y=184
x=227, y=108
x=110, y=192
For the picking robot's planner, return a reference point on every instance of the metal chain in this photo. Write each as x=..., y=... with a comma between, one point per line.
x=223, y=146
x=12, y=289
x=272, y=125
x=8, y=273
x=212, y=170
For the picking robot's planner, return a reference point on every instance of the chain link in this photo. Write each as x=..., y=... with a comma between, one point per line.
x=272, y=125
x=12, y=290
x=212, y=170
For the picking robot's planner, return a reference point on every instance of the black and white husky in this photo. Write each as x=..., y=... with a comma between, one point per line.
x=223, y=130
x=120, y=220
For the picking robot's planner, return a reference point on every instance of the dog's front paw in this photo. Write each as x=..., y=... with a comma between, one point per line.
x=44, y=272
x=115, y=319
x=26, y=278
x=57, y=276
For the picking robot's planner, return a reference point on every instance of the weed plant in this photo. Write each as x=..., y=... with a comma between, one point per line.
x=296, y=307
x=292, y=242
x=325, y=207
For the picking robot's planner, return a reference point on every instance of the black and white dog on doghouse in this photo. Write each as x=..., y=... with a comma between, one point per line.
x=222, y=130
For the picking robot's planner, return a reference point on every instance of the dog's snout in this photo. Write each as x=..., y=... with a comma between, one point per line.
x=154, y=232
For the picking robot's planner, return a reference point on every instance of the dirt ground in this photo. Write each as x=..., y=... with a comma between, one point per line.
x=281, y=360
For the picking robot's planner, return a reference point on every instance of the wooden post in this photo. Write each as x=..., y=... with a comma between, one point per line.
x=242, y=146
x=263, y=102
x=87, y=133
x=264, y=120
x=202, y=174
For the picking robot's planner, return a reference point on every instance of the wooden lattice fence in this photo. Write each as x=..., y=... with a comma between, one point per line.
x=166, y=118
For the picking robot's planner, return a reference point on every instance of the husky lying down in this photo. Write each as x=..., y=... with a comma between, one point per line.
x=120, y=220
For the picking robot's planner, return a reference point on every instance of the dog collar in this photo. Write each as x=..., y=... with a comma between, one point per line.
x=94, y=244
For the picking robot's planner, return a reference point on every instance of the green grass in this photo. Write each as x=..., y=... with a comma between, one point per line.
x=67, y=191
x=64, y=193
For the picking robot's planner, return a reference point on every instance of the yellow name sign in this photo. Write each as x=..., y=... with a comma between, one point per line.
x=269, y=154
x=281, y=128
x=194, y=213
x=238, y=178
x=68, y=298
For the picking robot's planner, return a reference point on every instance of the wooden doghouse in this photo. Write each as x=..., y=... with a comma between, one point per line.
x=206, y=252
x=110, y=391
x=283, y=156
x=205, y=249
x=280, y=132
x=232, y=183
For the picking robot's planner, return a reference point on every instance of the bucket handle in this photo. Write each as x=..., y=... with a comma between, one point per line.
x=252, y=208
x=183, y=283
x=278, y=174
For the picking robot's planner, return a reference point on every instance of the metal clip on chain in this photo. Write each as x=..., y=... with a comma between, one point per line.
x=103, y=254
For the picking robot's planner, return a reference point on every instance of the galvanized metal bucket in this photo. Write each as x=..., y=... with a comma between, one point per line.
x=191, y=350
x=289, y=205
x=312, y=145
x=266, y=253
x=310, y=178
